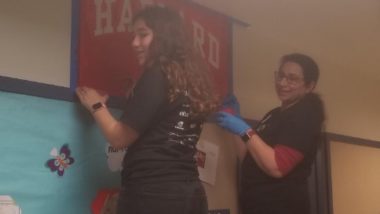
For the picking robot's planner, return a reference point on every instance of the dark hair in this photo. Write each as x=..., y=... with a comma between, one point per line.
x=173, y=50
x=311, y=74
x=309, y=66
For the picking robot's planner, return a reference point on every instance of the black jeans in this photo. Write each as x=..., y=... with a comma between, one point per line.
x=180, y=197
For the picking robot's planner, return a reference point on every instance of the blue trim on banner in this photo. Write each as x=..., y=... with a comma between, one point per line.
x=231, y=73
x=75, y=8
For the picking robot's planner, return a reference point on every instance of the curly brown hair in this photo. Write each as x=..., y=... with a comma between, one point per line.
x=174, y=51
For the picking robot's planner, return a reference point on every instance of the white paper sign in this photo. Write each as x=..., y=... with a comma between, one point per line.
x=8, y=205
x=207, y=160
x=114, y=158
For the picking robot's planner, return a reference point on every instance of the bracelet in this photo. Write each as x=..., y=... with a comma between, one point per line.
x=95, y=107
x=248, y=135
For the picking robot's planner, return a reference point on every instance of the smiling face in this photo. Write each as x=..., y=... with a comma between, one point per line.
x=143, y=37
x=290, y=84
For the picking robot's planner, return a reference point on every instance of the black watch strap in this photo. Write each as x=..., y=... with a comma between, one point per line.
x=97, y=106
x=248, y=135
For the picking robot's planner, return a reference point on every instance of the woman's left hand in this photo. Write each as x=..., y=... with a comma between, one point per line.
x=89, y=96
x=232, y=123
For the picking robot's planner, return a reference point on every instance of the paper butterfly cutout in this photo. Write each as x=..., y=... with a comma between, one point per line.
x=61, y=161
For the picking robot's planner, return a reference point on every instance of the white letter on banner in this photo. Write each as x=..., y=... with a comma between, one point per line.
x=126, y=17
x=198, y=36
x=103, y=15
x=145, y=3
x=213, y=51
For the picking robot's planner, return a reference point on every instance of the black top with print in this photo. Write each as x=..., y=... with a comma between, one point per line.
x=166, y=147
x=297, y=127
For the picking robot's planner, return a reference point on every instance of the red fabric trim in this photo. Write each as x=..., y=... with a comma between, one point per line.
x=287, y=158
x=101, y=198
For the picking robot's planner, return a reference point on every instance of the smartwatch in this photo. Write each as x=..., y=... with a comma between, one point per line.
x=97, y=106
x=248, y=135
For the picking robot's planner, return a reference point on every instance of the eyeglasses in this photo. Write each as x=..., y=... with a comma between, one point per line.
x=290, y=79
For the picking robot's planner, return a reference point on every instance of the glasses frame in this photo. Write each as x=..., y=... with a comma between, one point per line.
x=290, y=79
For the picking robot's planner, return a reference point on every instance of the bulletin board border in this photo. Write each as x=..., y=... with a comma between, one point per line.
x=37, y=89
x=74, y=59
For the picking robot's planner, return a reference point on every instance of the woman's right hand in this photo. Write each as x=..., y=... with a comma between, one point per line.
x=89, y=96
x=231, y=105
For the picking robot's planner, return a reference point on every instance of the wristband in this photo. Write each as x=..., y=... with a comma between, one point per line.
x=248, y=135
x=95, y=107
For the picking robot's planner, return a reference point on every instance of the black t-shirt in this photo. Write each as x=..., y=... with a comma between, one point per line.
x=298, y=127
x=168, y=135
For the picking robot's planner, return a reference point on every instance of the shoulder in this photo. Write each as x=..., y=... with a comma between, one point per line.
x=153, y=73
x=271, y=113
x=310, y=109
x=152, y=79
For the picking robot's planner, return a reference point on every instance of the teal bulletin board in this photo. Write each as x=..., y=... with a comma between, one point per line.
x=30, y=128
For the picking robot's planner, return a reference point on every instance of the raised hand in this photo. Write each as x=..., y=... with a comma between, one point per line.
x=231, y=105
x=89, y=96
x=232, y=123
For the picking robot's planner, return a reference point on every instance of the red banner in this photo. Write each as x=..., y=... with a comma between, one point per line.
x=106, y=58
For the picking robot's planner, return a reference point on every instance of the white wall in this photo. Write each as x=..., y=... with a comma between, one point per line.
x=355, y=178
x=342, y=35
x=35, y=40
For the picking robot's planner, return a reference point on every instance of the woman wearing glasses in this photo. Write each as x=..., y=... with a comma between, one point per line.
x=277, y=155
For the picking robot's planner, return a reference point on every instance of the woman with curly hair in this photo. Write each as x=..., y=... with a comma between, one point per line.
x=162, y=120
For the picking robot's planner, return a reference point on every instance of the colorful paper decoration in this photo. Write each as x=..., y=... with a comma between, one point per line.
x=61, y=161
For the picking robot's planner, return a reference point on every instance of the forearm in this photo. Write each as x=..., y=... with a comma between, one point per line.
x=117, y=134
x=264, y=155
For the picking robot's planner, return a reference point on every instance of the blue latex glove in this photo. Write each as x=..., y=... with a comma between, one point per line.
x=232, y=123
x=231, y=105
